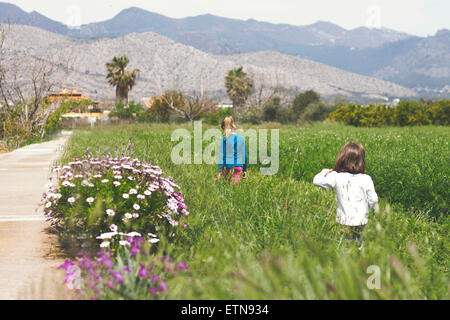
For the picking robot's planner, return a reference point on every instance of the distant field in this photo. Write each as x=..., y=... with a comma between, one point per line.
x=274, y=237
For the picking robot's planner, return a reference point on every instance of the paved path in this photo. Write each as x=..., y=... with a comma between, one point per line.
x=29, y=255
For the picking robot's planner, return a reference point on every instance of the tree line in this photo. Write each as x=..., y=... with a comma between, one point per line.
x=251, y=102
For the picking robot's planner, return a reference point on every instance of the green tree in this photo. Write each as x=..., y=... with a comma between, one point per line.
x=132, y=111
x=121, y=78
x=302, y=100
x=272, y=109
x=239, y=86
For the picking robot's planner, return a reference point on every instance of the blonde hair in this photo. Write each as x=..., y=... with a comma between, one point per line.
x=228, y=126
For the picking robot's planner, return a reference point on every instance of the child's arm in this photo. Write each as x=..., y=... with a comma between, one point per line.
x=325, y=179
x=221, y=162
x=372, y=197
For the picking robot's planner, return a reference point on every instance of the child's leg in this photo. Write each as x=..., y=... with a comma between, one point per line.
x=226, y=173
x=359, y=237
x=353, y=233
x=237, y=174
x=356, y=234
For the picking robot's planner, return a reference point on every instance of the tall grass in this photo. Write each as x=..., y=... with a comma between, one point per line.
x=274, y=237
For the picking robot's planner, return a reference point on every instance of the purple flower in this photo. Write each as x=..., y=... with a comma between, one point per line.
x=134, y=250
x=105, y=260
x=183, y=266
x=110, y=284
x=153, y=290
x=66, y=265
x=162, y=286
x=117, y=276
x=127, y=269
x=142, y=271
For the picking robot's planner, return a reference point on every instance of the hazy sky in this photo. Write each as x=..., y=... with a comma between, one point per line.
x=419, y=17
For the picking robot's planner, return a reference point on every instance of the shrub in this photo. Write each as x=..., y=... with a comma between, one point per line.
x=132, y=273
x=159, y=111
x=54, y=122
x=302, y=100
x=251, y=115
x=272, y=109
x=407, y=113
x=316, y=111
x=132, y=111
x=215, y=118
x=97, y=199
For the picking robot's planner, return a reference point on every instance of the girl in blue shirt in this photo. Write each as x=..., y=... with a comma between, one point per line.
x=233, y=152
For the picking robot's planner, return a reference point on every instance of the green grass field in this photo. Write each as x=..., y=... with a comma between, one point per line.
x=274, y=237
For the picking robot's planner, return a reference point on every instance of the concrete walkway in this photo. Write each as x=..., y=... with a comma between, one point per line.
x=29, y=255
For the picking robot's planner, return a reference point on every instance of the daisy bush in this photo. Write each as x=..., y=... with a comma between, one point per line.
x=130, y=273
x=104, y=201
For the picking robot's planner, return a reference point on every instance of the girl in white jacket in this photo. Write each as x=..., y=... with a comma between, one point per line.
x=354, y=189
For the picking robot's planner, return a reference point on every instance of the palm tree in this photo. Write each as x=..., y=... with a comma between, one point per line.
x=119, y=77
x=239, y=87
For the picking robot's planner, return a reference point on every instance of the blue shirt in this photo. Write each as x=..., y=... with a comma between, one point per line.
x=233, y=152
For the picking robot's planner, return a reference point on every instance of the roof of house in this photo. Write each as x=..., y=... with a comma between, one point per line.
x=69, y=94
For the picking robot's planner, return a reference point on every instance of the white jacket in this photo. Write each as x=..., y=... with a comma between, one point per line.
x=355, y=195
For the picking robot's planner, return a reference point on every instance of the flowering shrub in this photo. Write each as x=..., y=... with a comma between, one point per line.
x=131, y=274
x=104, y=199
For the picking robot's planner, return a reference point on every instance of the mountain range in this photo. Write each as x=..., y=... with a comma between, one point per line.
x=166, y=64
x=421, y=64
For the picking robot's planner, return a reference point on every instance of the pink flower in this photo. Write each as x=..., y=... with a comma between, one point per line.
x=113, y=228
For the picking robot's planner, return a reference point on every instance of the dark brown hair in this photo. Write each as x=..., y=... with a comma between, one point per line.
x=351, y=159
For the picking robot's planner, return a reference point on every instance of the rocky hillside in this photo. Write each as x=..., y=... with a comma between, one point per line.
x=418, y=63
x=165, y=64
